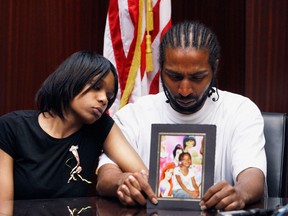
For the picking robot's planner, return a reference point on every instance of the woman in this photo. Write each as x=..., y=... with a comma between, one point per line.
x=165, y=183
x=178, y=149
x=53, y=151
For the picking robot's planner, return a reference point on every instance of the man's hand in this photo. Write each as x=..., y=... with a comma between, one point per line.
x=134, y=190
x=249, y=188
x=222, y=196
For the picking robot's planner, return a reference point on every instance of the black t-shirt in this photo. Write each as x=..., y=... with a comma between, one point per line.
x=42, y=164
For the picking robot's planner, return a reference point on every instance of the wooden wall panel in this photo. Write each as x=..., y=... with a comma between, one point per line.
x=227, y=19
x=36, y=36
x=267, y=54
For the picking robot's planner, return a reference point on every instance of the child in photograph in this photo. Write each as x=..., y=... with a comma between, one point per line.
x=184, y=183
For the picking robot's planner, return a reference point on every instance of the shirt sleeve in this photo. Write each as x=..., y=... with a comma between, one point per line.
x=104, y=159
x=249, y=141
x=7, y=135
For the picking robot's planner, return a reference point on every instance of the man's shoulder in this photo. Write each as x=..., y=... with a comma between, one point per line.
x=151, y=104
x=236, y=103
x=230, y=97
x=152, y=98
x=148, y=101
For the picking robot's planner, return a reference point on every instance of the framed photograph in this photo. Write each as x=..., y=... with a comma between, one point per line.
x=181, y=164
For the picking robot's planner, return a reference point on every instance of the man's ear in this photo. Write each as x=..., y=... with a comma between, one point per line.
x=216, y=66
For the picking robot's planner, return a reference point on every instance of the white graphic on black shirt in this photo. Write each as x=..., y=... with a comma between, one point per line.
x=77, y=169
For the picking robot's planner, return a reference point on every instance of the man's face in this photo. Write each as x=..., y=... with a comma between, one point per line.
x=187, y=75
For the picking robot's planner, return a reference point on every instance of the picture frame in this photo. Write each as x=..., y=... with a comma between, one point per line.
x=166, y=141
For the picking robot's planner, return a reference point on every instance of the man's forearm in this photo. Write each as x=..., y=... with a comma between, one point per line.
x=109, y=178
x=251, y=185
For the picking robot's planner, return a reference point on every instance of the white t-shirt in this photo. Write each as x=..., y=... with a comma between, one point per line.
x=239, y=138
x=186, y=179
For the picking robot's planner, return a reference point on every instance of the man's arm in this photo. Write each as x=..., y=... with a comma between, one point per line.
x=248, y=189
x=130, y=188
x=109, y=178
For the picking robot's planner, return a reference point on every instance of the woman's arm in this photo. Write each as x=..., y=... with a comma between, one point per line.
x=121, y=152
x=6, y=177
x=129, y=181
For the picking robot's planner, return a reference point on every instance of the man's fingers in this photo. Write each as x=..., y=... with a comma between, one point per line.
x=133, y=182
x=124, y=196
x=135, y=189
x=142, y=179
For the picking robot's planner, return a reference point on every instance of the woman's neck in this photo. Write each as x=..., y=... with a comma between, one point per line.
x=57, y=127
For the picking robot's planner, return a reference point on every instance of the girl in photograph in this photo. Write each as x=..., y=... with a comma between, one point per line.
x=184, y=183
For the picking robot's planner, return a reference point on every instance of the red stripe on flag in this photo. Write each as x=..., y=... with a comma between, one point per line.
x=114, y=23
x=154, y=87
x=165, y=29
x=155, y=31
x=133, y=7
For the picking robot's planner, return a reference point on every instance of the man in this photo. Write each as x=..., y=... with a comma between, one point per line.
x=189, y=57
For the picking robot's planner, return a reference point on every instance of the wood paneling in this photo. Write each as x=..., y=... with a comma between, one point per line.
x=227, y=19
x=267, y=54
x=36, y=36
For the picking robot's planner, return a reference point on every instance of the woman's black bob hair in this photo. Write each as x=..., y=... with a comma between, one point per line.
x=70, y=78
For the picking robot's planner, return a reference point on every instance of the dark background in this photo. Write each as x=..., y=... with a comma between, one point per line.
x=37, y=35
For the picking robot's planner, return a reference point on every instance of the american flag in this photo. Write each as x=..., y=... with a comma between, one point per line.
x=131, y=40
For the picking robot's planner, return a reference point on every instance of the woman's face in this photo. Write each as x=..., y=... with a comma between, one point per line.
x=87, y=107
x=187, y=75
x=178, y=152
x=190, y=143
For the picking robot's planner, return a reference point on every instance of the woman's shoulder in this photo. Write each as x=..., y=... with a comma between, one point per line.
x=104, y=123
x=18, y=116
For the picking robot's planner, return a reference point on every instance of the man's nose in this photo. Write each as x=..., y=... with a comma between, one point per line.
x=185, y=88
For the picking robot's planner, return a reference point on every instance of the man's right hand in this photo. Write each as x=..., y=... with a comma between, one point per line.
x=132, y=189
x=135, y=189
